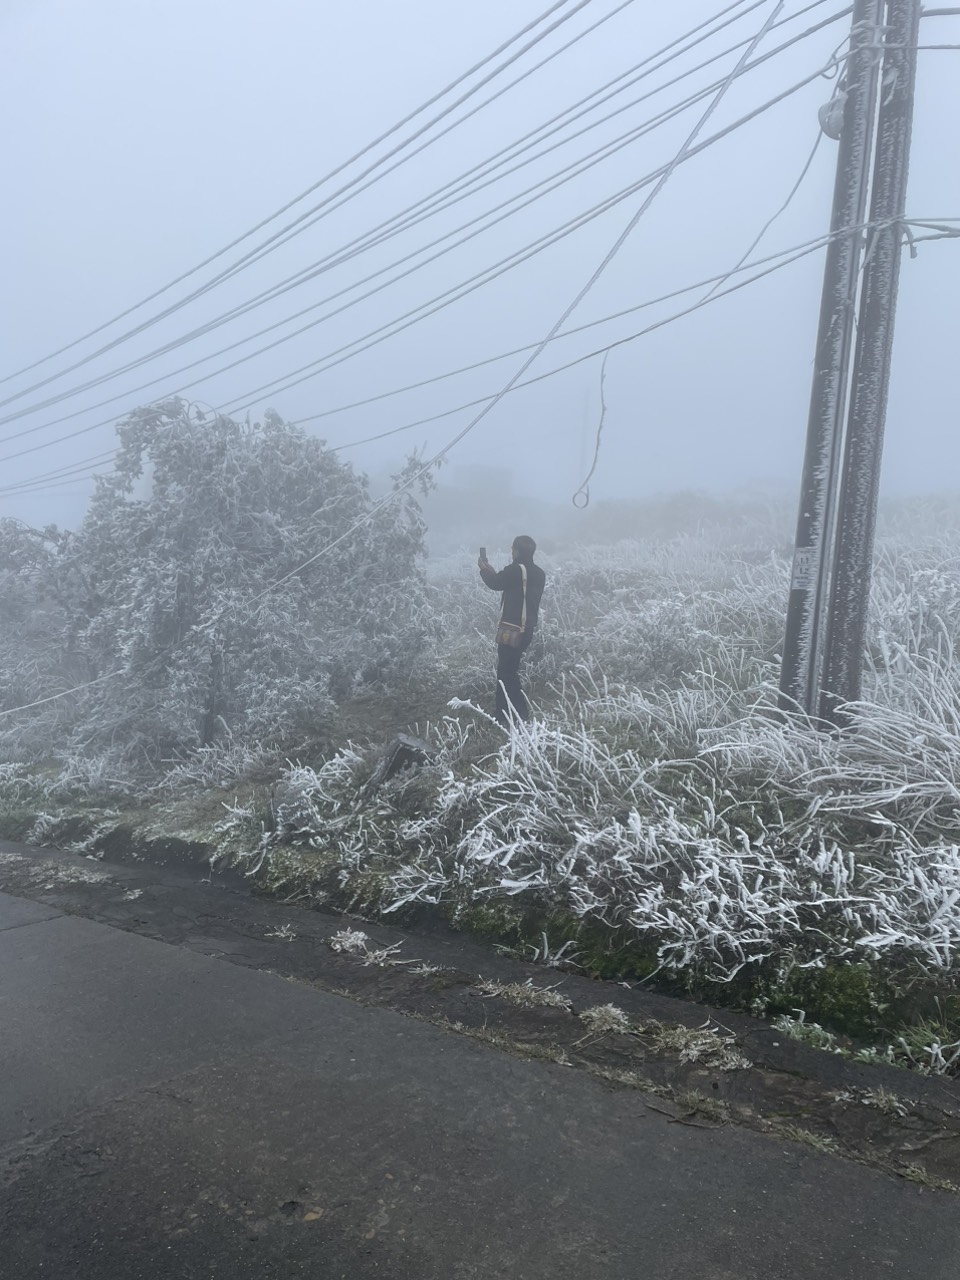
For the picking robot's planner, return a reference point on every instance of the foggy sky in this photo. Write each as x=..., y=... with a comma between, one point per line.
x=143, y=135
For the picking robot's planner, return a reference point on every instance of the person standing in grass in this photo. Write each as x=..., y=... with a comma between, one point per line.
x=521, y=583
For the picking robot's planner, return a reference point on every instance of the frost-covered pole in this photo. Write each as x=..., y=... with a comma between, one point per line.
x=800, y=670
x=857, y=514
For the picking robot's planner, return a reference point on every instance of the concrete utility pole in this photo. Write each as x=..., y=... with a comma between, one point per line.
x=857, y=515
x=800, y=671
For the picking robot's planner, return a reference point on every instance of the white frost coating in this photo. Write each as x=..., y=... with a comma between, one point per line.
x=606, y=1019
x=659, y=798
x=535, y=821
x=815, y=532
x=675, y=809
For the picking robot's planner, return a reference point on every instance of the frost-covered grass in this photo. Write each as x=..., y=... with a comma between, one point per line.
x=526, y=995
x=659, y=816
x=706, y=1044
x=718, y=860
x=605, y=1019
x=658, y=819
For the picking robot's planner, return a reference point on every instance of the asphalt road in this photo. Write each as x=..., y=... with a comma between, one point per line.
x=165, y=1114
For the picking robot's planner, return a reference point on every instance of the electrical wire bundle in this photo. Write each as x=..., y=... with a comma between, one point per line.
x=484, y=84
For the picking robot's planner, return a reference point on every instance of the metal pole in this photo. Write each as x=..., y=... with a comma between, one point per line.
x=860, y=484
x=800, y=669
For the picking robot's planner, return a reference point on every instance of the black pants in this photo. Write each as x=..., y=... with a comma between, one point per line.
x=508, y=683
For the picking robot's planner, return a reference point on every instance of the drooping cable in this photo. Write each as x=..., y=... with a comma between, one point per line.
x=581, y=498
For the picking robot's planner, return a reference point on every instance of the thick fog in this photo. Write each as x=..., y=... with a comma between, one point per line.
x=143, y=137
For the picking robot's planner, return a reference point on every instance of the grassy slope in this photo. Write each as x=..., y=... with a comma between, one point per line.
x=652, y=675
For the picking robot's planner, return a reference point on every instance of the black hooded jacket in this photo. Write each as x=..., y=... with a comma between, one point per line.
x=510, y=582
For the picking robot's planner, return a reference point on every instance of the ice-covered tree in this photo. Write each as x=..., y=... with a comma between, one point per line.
x=37, y=598
x=202, y=584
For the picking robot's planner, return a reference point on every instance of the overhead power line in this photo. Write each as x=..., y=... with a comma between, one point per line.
x=800, y=250
x=787, y=257
x=443, y=198
x=519, y=201
x=338, y=356
x=65, y=474
x=402, y=322
x=322, y=364
x=813, y=245
x=938, y=228
x=468, y=183
x=772, y=263
x=592, y=324
x=577, y=5
x=795, y=256
x=581, y=496
x=321, y=212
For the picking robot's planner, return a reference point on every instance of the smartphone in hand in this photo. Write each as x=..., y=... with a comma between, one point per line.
x=483, y=554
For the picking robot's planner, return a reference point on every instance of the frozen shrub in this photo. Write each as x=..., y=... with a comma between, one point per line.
x=194, y=597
